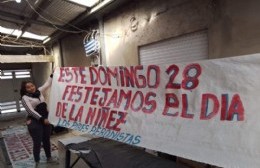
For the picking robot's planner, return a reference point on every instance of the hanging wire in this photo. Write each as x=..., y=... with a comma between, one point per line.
x=9, y=42
x=22, y=46
x=92, y=36
x=113, y=35
x=15, y=41
x=81, y=30
x=8, y=1
x=86, y=37
x=15, y=44
x=61, y=29
x=61, y=20
x=46, y=51
x=6, y=36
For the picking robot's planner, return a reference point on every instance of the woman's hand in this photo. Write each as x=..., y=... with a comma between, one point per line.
x=46, y=122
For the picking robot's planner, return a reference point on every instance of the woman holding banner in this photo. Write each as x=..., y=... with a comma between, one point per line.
x=37, y=120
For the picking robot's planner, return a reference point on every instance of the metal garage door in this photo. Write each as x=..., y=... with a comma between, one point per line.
x=10, y=89
x=189, y=47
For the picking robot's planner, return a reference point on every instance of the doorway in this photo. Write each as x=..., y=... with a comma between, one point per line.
x=10, y=89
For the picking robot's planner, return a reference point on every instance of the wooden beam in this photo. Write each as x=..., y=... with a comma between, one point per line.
x=26, y=58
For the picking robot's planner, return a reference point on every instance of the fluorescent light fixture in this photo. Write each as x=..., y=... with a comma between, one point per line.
x=18, y=33
x=22, y=73
x=100, y=5
x=18, y=1
x=7, y=103
x=87, y=3
x=46, y=40
x=10, y=31
x=23, y=76
x=9, y=111
x=33, y=36
x=7, y=73
x=6, y=77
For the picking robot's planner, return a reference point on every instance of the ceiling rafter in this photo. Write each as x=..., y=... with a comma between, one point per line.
x=41, y=7
x=28, y=18
x=87, y=17
x=18, y=18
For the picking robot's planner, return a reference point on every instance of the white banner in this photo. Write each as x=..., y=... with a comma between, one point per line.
x=206, y=111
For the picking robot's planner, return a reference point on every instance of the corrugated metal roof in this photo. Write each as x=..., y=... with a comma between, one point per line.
x=41, y=30
x=61, y=12
x=41, y=17
x=56, y=13
x=21, y=9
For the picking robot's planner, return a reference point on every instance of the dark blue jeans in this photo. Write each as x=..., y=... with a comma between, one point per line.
x=40, y=133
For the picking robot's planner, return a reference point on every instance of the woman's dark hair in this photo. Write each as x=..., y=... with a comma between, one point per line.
x=23, y=88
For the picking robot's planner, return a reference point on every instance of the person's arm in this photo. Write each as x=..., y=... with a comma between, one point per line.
x=28, y=107
x=46, y=85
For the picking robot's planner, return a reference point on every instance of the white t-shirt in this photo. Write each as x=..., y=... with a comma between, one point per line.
x=30, y=103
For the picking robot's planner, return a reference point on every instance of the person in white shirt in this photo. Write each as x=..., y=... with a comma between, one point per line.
x=37, y=119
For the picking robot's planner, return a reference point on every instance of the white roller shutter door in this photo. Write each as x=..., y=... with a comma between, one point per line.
x=189, y=47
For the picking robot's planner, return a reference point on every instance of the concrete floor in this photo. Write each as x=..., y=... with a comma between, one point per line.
x=18, y=119
x=7, y=121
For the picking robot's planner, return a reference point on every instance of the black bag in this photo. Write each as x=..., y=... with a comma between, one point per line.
x=58, y=129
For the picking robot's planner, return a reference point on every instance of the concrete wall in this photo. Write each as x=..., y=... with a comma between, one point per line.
x=234, y=30
x=57, y=55
x=73, y=53
x=156, y=21
x=40, y=73
x=12, y=66
x=232, y=26
x=68, y=51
